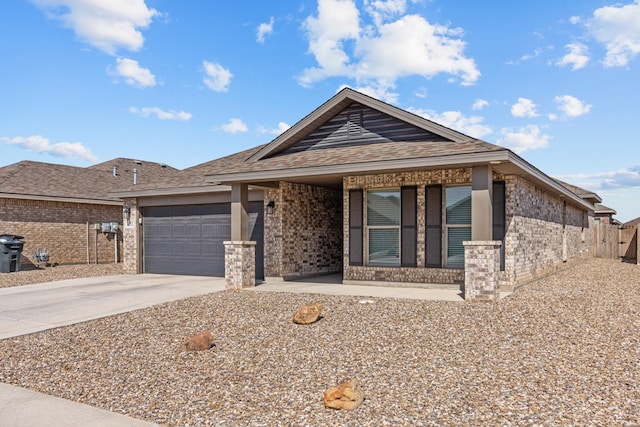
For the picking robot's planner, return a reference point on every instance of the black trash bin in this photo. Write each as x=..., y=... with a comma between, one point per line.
x=10, y=250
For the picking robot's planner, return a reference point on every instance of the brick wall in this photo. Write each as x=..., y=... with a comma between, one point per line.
x=542, y=233
x=65, y=229
x=303, y=236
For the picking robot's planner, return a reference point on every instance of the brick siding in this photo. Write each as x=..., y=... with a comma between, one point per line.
x=534, y=236
x=65, y=229
x=303, y=236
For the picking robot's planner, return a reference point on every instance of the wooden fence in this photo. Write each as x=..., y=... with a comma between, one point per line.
x=617, y=242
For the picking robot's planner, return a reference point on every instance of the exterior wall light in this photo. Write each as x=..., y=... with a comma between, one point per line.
x=270, y=206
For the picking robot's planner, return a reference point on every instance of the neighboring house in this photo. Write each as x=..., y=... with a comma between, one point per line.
x=604, y=214
x=365, y=189
x=62, y=209
x=633, y=223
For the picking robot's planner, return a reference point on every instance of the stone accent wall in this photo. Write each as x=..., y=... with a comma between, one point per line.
x=418, y=274
x=481, y=270
x=239, y=264
x=66, y=229
x=132, y=238
x=303, y=236
x=536, y=241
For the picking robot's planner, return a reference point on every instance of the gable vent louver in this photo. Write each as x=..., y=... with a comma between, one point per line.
x=354, y=124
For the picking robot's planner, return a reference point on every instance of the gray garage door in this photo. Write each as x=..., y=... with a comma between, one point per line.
x=188, y=239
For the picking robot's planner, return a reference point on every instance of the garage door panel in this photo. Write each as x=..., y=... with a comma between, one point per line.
x=189, y=239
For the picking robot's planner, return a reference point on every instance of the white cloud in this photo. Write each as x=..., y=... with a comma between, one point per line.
x=376, y=55
x=381, y=10
x=133, y=73
x=524, y=108
x=263, y=30
x=578, y=56
x=575, y=20
x=536, y=52
x=160, y=113
x=479, y=104
x=282, y=127
x=471, y=126
x=618, y=28
x=571, y=106
x=523, y=139
x=105, y=24
x=217, y=78
x=234, y=126
x=623, y=178
x=40, y=144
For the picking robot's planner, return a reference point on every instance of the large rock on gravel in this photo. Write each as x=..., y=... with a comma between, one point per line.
x=346, y=395
x=307, y=314
x=200, y=342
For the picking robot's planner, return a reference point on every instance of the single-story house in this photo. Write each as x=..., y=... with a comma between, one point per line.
x=365, y=189
x=66, y=212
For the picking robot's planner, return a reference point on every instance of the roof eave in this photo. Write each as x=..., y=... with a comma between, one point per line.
x=61, y=199
x=170, y=191
x=359, y=168
x=547, y=182
x=457, y=160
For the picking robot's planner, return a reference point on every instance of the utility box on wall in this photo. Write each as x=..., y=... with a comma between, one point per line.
x=107, y=227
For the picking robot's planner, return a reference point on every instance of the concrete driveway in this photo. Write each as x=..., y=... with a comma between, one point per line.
x=33, y=308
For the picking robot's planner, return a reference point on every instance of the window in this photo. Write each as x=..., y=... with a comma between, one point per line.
x=383, y=227
x=458, y=223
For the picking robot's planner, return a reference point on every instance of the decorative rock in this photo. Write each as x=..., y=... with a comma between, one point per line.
x=307, y=314
x=203, y=341
x=346, y=395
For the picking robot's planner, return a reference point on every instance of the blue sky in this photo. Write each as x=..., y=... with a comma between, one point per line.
x=181, y=83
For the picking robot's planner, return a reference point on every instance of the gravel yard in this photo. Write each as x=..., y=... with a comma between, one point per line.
x=564, y=350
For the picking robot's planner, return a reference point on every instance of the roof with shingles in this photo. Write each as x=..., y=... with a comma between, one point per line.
x=396, y=150
x=38, y=179
x=585, y=194
x=317, y=151
x=195, y=175
x=602, y=209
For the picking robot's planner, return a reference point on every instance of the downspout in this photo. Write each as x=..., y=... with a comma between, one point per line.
x=96, y=246
x=88, y=253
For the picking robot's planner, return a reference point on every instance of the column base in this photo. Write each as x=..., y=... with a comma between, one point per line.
x=239, y=264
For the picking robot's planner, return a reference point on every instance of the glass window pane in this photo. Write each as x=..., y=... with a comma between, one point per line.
x=383, y=207
x=455, y=250
x=458, y=205
x=383, y=246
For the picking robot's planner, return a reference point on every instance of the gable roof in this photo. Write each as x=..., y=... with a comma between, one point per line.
x=291, y=157
x=338, y=103
x=319, y=150
x=47, y=181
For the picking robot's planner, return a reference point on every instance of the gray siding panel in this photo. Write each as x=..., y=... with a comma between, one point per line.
x=409, y=234
x=189, y=239
x=358, y=125
x=356, y=255
x=433, y=194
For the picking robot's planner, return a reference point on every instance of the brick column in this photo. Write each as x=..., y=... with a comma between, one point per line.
x=132, y=263
x=481, y=268
x=239, y=264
